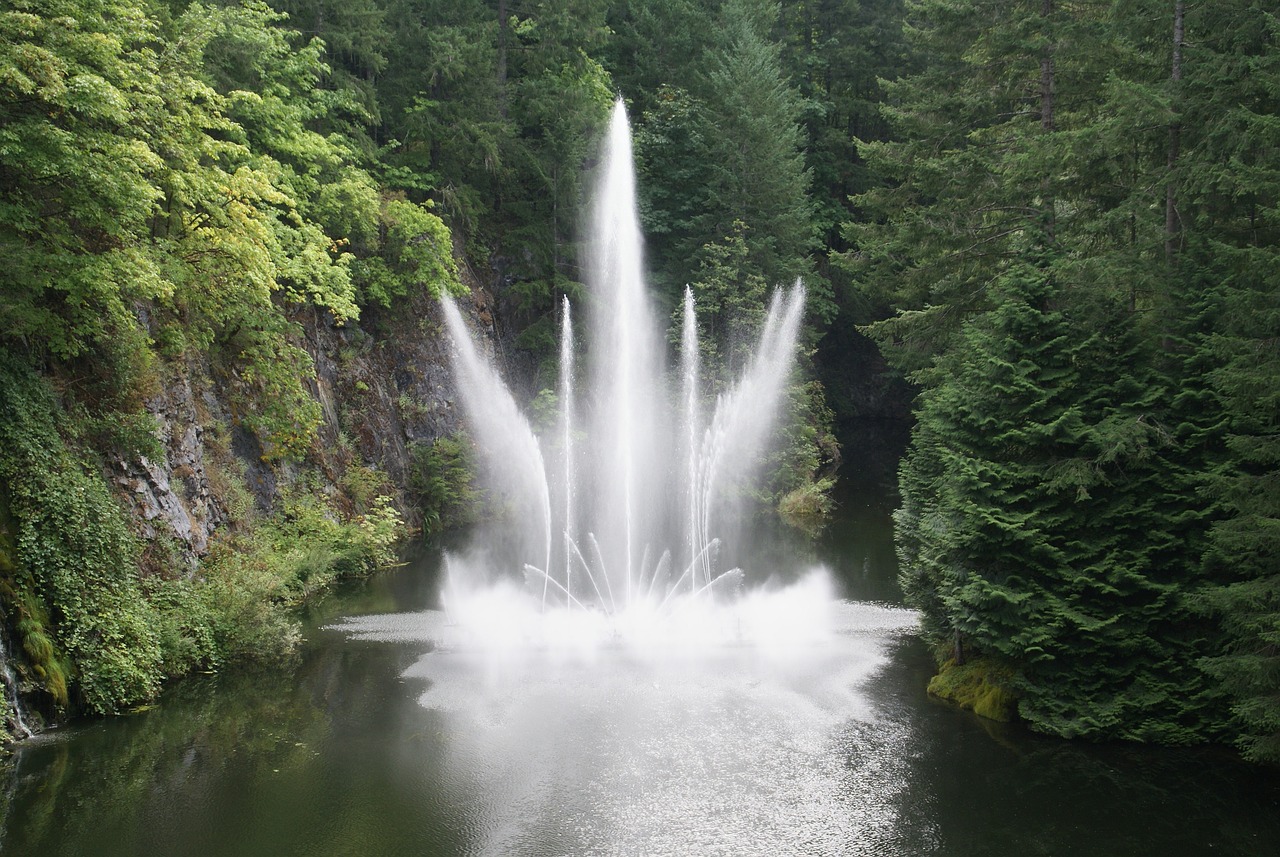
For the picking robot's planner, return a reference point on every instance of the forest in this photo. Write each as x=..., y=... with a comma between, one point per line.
x=1046, y=232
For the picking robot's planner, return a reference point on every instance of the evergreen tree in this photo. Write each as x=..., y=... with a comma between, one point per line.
x=1029, y=531
x=657, y=45
x=1050, y=518
x=749, y=125
x=979, y=155
x=836, y=52
x=1229, y=206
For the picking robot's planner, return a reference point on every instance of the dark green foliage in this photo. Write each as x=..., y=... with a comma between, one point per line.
x=1231, y=178
x=1031, y=529
x=1077, y=235
x=719, y=147
x=731, y=298
x=440, y=482
x=836, y=52
x=77, y=595
x=494, y=113
x=725, y=196
x=749, y=125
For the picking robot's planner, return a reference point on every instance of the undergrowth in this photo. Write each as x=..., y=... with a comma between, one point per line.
x=99, y=636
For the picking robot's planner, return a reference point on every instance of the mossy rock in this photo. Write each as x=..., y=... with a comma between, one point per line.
x=978, y=685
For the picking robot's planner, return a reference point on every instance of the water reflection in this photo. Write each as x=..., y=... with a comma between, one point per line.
x=734, y=751
x=374, y=746
x=975, y=787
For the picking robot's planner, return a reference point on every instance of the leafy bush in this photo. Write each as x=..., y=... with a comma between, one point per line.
x=240, y=607
x=416, y=252
x=441, y=478
x=75, y=574
x=808, y=507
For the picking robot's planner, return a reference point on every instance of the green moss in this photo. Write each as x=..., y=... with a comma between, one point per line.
x=979, y=685
x=808, y=507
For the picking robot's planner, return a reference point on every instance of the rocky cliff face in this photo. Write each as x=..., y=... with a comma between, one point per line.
x=174, y=498
x=383, y=385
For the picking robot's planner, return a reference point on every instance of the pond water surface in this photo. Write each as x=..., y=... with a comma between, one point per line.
x=374, y=744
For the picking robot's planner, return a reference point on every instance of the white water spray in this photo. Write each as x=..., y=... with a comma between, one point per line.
x=643, y=472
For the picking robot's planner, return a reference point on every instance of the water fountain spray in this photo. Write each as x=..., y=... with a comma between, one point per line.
x=641, y=472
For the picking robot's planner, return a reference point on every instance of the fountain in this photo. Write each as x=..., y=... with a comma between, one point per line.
x=614, y=519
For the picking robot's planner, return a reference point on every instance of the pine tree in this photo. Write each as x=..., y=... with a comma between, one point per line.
x=1050, y=517
x=836, y=52
x=1230, y=208
x=1029, y=533
x=749, y=125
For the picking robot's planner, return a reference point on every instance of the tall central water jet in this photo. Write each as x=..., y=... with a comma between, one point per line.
x=625, y=364
x=615, y=516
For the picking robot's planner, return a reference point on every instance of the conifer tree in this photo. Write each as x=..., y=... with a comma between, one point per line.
x=749, y=125
x=1230, y=205
x=1050, y=517
x=1030, y=531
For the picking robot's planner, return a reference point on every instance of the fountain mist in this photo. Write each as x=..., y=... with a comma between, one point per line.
x=644, y=478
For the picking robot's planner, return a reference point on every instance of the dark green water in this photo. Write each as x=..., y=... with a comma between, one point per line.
x=381, y=747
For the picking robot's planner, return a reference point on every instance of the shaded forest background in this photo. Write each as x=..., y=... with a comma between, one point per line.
x=1047, y=228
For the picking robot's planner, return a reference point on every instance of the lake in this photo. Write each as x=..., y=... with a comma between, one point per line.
x=374, y=742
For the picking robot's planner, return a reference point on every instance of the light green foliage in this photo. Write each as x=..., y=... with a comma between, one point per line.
x=809, y=506
x=801, y=470
x=980, y=685
x=6, y=712
x=380, y=529
x=544, y=410
x=356, y=35
x=417, y=254
x=363, y=485
x=73, y=77
x=240, y=606
x=176, y=162
x=270, y=398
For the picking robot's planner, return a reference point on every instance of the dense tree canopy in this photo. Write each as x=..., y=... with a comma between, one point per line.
x=1083, y=495
x=1058, y=221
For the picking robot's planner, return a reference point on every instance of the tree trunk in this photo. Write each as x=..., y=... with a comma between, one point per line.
x=1046, y=114
x=502, y=58
x=1046, y=73
x=1172, y=228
